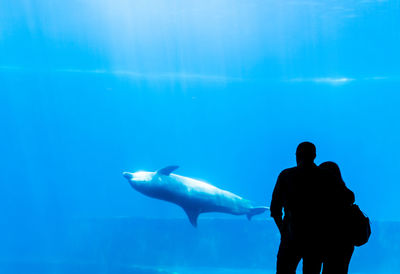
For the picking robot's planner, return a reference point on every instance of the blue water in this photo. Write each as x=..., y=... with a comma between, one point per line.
x=224, y=89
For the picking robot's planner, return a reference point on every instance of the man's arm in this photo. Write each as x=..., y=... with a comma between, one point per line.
x=277, y=203
x=278, y=222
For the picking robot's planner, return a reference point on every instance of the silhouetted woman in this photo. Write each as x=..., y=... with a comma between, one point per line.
x=338, y=245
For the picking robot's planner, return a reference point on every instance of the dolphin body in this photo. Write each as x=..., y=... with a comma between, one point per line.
x=193, y=196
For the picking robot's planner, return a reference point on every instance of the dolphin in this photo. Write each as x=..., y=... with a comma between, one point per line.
x=195, y=197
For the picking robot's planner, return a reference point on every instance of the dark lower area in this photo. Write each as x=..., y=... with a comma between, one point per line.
x=126, y=245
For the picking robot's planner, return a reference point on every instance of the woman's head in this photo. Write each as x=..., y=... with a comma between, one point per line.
x=333, y=168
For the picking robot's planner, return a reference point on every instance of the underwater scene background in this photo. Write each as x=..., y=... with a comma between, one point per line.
x=224, y=89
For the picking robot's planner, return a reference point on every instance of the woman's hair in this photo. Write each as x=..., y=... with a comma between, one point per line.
x=333, y=168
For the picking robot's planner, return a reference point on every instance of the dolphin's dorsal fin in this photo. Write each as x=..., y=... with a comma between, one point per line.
x=193, y=215
x=167, y=170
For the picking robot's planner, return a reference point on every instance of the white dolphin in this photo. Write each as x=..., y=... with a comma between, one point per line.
x=193, y=196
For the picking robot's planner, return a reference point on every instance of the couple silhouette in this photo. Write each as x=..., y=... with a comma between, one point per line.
x=315, y=201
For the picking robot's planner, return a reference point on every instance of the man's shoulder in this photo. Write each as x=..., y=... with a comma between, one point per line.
x=288, y=171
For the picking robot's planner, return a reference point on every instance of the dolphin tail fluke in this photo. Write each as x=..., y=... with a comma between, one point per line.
x=255, y=211
x=193, y=215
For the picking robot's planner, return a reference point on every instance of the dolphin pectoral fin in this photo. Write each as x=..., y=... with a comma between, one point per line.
x=256, y=211
x=167, y=170
x=193, y=215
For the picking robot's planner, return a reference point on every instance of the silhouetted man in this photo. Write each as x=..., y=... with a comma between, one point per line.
x=301, y=192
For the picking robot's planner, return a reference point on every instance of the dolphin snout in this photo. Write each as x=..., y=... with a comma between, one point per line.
x=127, y=175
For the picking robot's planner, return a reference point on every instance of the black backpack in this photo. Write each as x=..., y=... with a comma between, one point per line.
x=360, y=227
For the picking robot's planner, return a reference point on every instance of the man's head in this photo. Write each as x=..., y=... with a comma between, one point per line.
x=305, y=153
